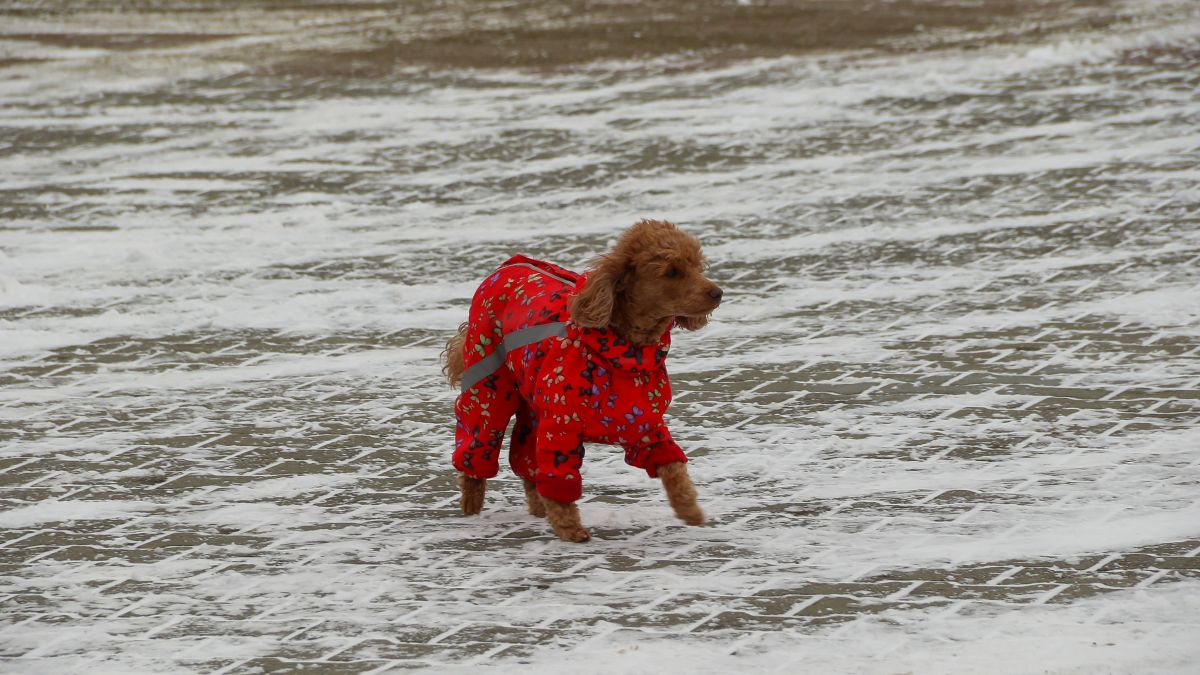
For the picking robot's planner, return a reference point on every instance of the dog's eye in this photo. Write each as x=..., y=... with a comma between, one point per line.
x=672, y=273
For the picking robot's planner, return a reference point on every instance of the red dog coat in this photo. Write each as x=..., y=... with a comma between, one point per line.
x=566, y=384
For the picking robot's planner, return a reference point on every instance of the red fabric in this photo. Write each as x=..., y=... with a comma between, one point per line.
x=591, y=385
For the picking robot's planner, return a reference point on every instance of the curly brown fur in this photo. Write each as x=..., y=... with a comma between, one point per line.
x=473, y=490
x=564, y=518
x=452, y=356
x=681, y=493
x=653, y=276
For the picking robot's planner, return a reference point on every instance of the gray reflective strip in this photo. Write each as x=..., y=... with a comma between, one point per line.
x=514, y=340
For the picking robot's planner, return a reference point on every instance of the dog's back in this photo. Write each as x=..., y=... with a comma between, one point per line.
x=522, y=302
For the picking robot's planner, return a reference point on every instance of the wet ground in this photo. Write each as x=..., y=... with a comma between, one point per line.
x=373, y=38
x=947, y=420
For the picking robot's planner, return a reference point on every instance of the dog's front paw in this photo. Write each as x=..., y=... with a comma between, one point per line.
x=681, y=492
x=692, y=516
x=564, y=518
x=576, y=535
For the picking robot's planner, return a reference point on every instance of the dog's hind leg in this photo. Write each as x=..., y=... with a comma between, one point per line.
x=681, y=493
x=483, y=412
x=533, y=501
x=521, y=457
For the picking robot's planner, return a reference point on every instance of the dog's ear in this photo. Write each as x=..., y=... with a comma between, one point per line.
x=691, y=322
x=593, y=306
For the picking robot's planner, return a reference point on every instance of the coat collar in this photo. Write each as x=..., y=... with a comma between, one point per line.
x=619, y=353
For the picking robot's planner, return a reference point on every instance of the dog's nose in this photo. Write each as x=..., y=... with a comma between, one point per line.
x=716, y=294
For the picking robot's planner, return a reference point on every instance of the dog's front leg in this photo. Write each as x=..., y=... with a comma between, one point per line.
x=559, y=459
x=472, y=494
x=564, y=518
x=681, y=492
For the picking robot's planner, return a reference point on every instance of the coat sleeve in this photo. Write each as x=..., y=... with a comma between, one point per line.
x=651, y=446
x=559, y=437
x=654, y=449
x=559, y=457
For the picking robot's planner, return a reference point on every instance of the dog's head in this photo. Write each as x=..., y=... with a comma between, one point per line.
x=653, y=276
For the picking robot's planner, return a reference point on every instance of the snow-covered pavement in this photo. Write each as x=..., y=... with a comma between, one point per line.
x=948, y=419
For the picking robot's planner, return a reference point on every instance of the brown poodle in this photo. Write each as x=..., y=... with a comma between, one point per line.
x=577, y=358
